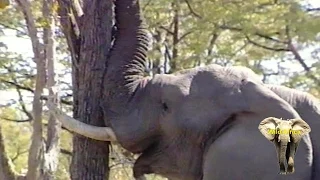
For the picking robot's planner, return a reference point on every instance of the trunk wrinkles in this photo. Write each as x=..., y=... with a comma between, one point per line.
x=126, y=65
x=125, y=73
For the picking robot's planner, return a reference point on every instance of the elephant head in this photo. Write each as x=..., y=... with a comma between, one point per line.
x=286, y=135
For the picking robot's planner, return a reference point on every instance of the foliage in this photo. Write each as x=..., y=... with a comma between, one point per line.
x=250, y=33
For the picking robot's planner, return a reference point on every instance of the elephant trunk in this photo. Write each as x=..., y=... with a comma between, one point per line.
x=126, y=65
x=283, y=150
x=124, y=80
x=282, y=155
x=124, y=76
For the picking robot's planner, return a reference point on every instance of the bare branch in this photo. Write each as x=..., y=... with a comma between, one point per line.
x=19, y=152
x=16, y=120
x=29, y=120
x=12, y=28
x=184, y=35
x=192, y=11
x=22, y=104
x=313, y=9
x=267, y=37
x=32, y=91
x=298, y=57
x=213, y=40
x=70, y=28
x=66, y=152
x=6, y=166
x=146, y=5
x=266, y=47
x=166, y=29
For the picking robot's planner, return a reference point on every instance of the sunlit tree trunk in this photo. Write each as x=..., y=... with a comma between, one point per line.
x=52, y=147
x=6, y=169
x=36, y=148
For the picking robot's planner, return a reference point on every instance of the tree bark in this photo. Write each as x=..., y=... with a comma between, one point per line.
x=6, y=169
x=36, y=147
x=52, y=148
x=90, y=159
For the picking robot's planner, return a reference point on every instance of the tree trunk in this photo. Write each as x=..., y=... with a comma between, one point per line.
x=51, y=152
x=6, y=169
x=90, y=157
x=36, y=147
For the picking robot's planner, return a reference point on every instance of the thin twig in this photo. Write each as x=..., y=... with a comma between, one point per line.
x=298, y=57
x=192, y=11
x=265, y=47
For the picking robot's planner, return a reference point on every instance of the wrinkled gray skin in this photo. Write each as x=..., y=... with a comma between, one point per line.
x=286, y=138
x=202, y=123
x=207, y=119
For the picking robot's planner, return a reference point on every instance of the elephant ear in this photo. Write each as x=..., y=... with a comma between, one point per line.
x=268, y=127
x=299, y=129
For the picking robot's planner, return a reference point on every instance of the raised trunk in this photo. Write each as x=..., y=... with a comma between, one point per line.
x=126, y=68
x=90, y=159
x=126, y=64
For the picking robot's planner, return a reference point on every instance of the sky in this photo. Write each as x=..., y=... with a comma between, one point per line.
x=23, y=46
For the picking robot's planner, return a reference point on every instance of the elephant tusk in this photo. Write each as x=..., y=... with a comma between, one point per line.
x=87, y=130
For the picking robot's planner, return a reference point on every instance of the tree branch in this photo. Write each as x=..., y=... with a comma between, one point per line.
x=313, y=9
x=12, y=28
x=191, y=10
x=265, y=47
x=35, y=157
x=16, y=120
x=166, y=29
x=183, y=36
x=29, y=120
x=32, y=91
x=267, y=37
x=212, y=42
x=298, y=57
x=146, y=5
x=66, y=152
x=52, y=149
x=70, y=27
x=6, y=167
x=22, y=104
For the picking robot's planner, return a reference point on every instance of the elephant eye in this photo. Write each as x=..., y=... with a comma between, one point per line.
x=165, y=106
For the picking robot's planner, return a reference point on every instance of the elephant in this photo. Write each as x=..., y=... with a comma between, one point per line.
x=195, y=124
x=286, y=136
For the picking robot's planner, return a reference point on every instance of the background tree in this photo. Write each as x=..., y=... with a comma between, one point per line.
x=88, y=35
